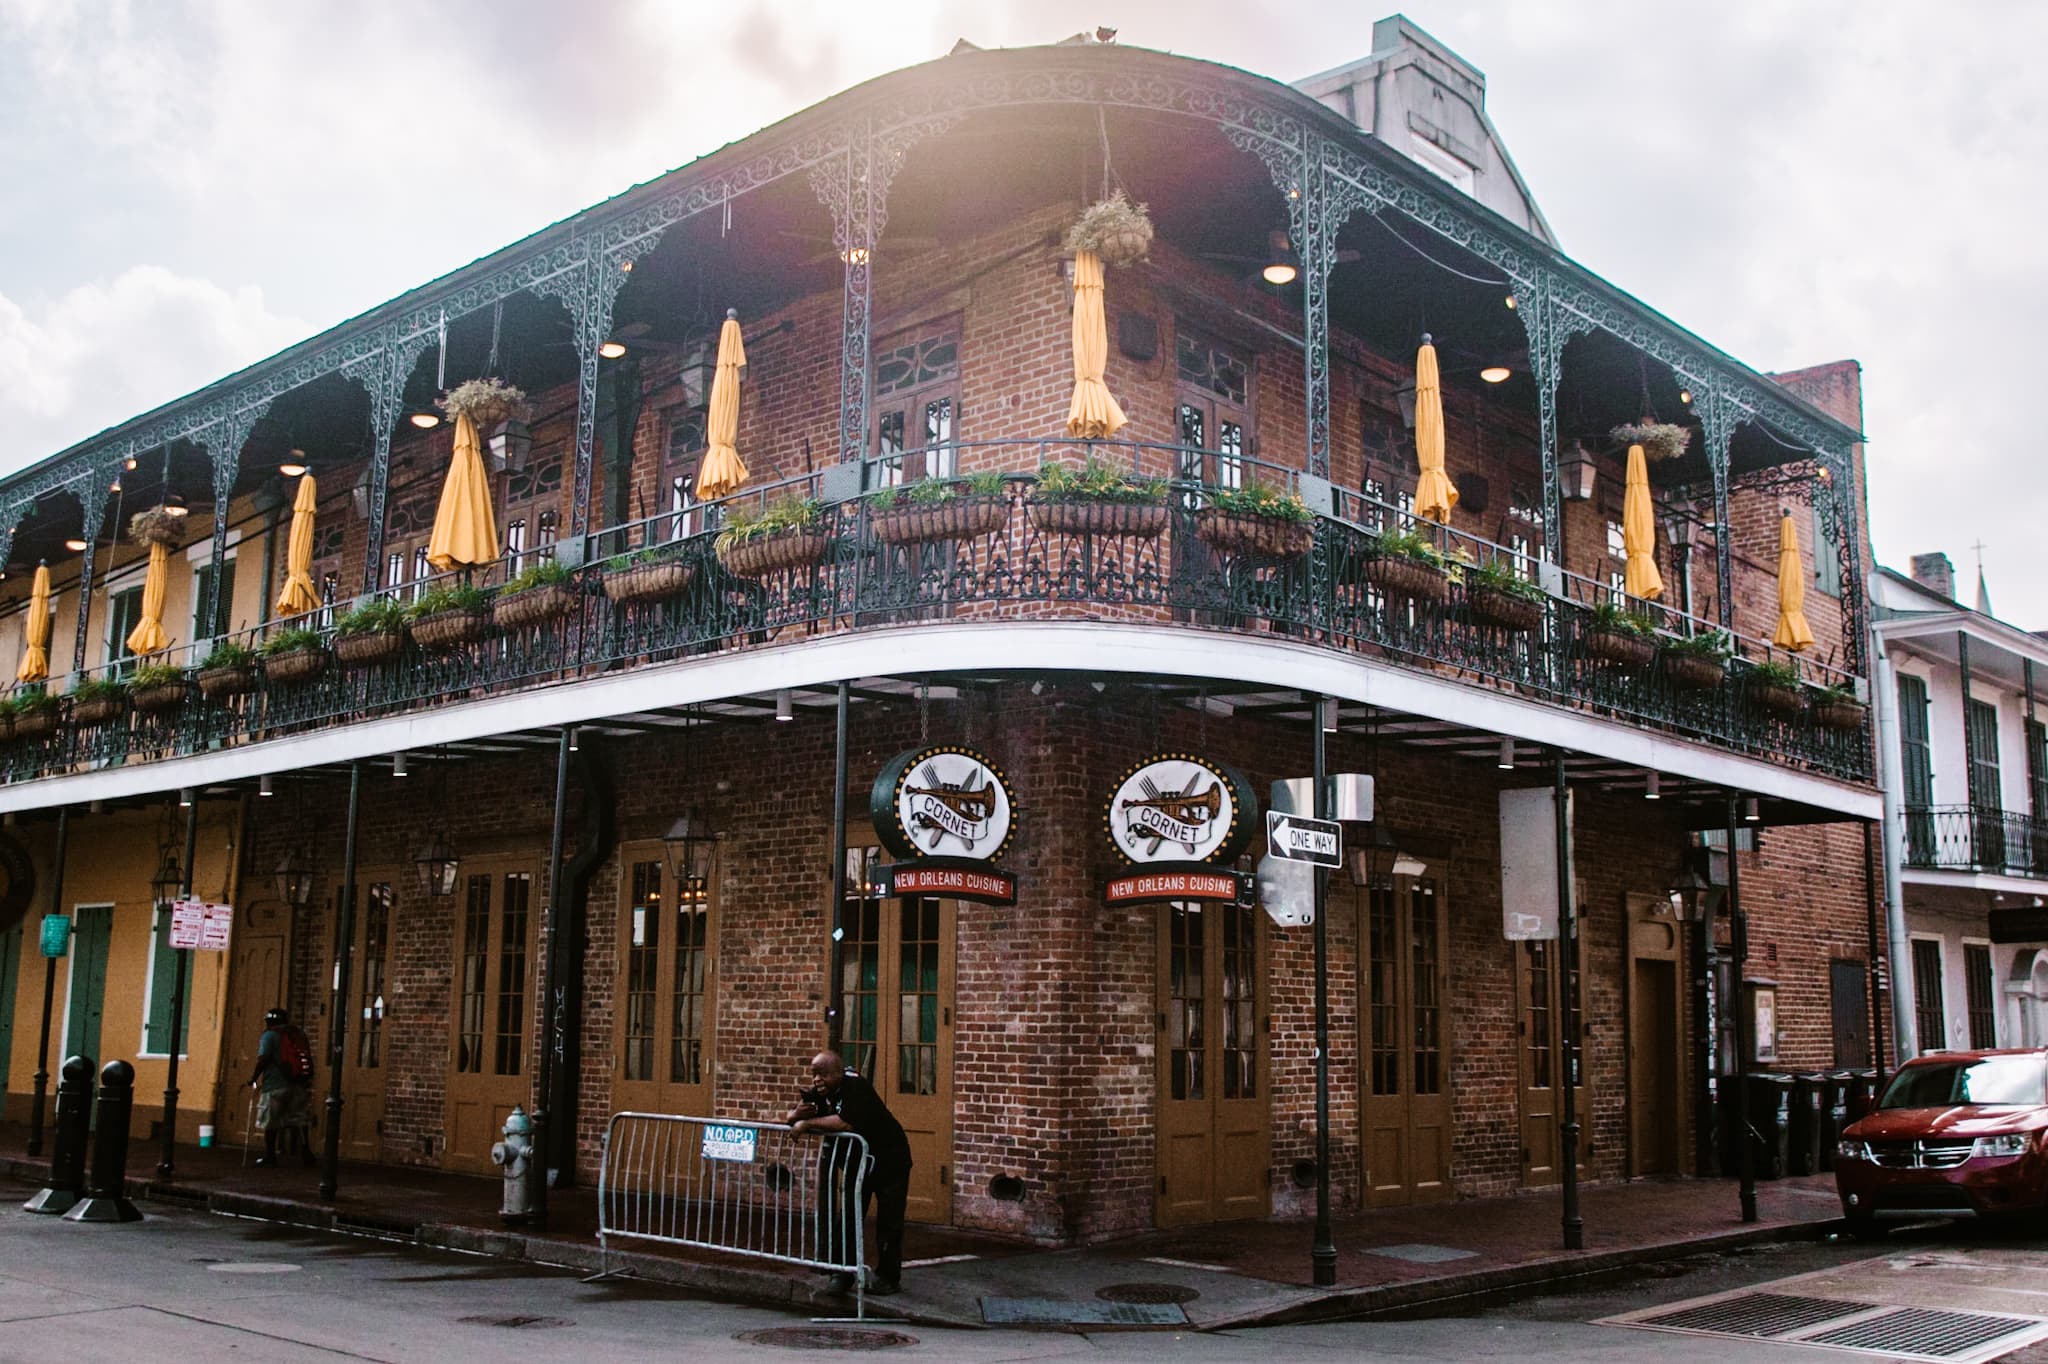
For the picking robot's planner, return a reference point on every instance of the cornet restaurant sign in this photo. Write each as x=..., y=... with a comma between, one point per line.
x=942, y=803
x=1175, y=807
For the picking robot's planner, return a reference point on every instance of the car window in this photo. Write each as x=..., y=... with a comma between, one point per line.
x=1994, y=1080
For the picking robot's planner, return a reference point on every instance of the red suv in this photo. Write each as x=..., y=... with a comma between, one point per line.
x=1957, y=1134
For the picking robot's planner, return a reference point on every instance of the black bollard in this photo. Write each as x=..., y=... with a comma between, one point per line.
x=67, y=1154
x=106, y=1191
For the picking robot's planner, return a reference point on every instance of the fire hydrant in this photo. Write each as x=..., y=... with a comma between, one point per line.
x=514, y=1155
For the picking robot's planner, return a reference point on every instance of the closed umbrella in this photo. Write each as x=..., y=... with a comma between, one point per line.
x=1094, y=413
x=722, y=472
x=1639, y=532
x=298, y=596
x=465, y=531
x=35, y=659
x=1434, y=494
x=1792, y=632
x=148, y=636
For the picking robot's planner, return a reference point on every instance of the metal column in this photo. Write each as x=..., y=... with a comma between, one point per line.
x=1323, y=1253
x=1745, y=1157
x=345, y=932
x=182, y=956
x=550, y=1011
x=1568, y=961
x=834, y=997
x=36, y=1106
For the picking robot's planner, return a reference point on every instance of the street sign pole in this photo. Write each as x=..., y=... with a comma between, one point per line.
x=168, y=1164
x=1323, y=1254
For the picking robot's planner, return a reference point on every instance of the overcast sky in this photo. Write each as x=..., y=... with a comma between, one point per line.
x=188, y=187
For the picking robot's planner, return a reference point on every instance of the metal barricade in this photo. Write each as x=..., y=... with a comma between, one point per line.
x=741, y=1188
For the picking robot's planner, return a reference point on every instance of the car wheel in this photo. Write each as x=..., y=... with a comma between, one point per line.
x=1863, y=1226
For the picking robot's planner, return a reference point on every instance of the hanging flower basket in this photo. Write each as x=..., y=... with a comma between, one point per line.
x=155, y=526
x=370, y=648
x=658, y=580
x=1776, y=697
x=97, y=710
x=1268, y=537
x=157, y=700
x=1620, y=648
x=1694, y=672
x=486, y=401
x=968, y=517
x=1504, y=610
x=1140, y=520
x=32, y=725
x=1660, y=440
x=1414, y=579
x=538, y=605
x=781, y=551
x=1115, y=229
x=295, y=666
x=222, y=684
x=450, y=629
x=1834, y=711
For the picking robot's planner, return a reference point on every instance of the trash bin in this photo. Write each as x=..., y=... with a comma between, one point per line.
x=1834, y=1114
x=1862, y=1092
x=1770, y=1123
x=1808, y=1122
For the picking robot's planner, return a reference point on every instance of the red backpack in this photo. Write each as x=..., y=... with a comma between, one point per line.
x=295, y=1053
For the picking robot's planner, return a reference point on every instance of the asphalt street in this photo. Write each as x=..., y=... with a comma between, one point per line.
x=188, y=1285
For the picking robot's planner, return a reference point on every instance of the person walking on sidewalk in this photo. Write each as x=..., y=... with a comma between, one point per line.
x=283, y=1081
x=840, y=1099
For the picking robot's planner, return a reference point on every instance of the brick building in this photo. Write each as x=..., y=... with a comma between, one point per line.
x=432, y=844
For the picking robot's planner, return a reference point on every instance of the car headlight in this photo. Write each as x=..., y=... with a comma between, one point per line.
x=1851, y=1150
x=2011, y=1144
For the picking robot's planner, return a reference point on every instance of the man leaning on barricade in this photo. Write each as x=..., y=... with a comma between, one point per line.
x=840, y=1099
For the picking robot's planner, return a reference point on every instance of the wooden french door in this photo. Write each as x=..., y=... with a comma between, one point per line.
x=490, y=1062
x=1541, y=1027
x=362, y=1071
x=896, y=987
x=1656, y=1039
x=1404, y=1042
x=668, y=971
x=10, y=980
x=259, y=980
x=1214, y=1132
x=86, y=991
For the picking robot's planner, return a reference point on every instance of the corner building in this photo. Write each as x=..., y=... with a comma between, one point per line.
x=1083, y=1062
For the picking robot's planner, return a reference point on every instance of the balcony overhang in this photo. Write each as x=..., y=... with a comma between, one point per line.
x=1014, y=647
x=1985, y=883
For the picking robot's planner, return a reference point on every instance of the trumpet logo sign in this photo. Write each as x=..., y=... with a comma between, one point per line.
x=942, y=802
x=1175, y=807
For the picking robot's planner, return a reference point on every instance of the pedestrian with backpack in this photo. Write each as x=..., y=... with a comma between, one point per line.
x=283, y=1081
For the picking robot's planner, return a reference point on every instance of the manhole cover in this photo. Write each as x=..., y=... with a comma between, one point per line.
x=517, y=1323
x=254, y=1267
x=1062, y=1312
x=826, y=1338
x=1148, y=1293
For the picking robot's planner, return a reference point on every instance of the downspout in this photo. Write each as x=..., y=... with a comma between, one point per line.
x=595, y=840
x=1885, y=697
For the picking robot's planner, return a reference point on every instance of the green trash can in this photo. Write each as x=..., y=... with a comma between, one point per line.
x=1770, y=1123
x=1807, y=1127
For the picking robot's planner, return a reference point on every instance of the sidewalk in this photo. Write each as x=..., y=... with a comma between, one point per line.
x=1240, y=1274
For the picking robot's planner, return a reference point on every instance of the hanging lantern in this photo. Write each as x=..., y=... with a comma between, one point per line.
x=169, y=882
x=690, y=846
x=511, y=444
x=437, y=866
x=294, y=880
x=1576, y=474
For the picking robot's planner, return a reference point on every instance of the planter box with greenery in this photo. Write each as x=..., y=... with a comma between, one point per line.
x=1837, y=708
x=98, y=700
x=34, y=712
x=1097, y=499
x=1257, y=520
x=1775, y=687
x=544, y=592
x=1115, y=229
x=294, y=656
x=158, y=687
x=451, y=616
x=939, y=509
x=1620, y=636
x=655, y=573
x=1500, y=597
x=1407, y=565
x=227, y=672
x=1698, y=663
x=788, y=533
x=372, y=633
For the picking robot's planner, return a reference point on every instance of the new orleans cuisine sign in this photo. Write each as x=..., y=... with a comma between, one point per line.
x=948, y=810
x=1182, y=820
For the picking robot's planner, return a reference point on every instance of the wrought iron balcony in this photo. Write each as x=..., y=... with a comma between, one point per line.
x=1011, y=555
x=1962, y=838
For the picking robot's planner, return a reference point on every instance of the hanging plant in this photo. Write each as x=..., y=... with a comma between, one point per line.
x=1660, y=440
x=1117, y=230
x=157, y=526
x=486, y=401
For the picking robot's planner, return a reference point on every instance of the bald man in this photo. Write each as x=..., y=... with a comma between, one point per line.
x=840, y=1099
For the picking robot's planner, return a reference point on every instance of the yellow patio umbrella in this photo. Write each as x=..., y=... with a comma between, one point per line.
x=298, y=596
x=148, y=636
x=1094, y=413
x=722, y=471
x=1639, y=532
x=1434, y=495
x=35, y=659
x=465, y=531
x=1792, y=632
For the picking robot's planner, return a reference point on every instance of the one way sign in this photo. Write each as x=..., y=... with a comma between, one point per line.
x=1297, y=838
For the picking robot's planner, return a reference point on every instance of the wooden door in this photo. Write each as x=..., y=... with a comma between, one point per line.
x=1403, y=1044
x=10, y=985
x=1849, y=1005
x=896, y=986
x=362, y=1069
x=490, y=1060
x=258, y=981
x=1541, y=1034
x=1657, y=1105
x=85, y=998
x=1214, y=1136
x=668, y=953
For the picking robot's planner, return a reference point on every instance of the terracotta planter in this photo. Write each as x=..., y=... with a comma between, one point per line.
x=299, y=665
x=1504, y=610
x=535, y=606
x=647, y=582
x=1694, y=672
x=157, y=700
x=971, y=517
x=98, y=711
x=221, y=684
x=31, y=725
x=369, y=649
x=1412, y=578
x=1140, y=520
x=1840, y=712
x=779, y=552
x=1267, y=537
x=1619, y=647
x=450, y=629
x=1776, y=697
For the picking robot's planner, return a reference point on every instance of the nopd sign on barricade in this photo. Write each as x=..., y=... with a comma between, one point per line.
x=743, y=1188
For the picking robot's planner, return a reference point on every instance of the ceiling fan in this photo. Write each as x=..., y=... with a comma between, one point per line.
x=894, y=244
x=1281, y=263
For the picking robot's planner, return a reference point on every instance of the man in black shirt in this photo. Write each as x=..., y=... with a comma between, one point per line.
x=841, y=1100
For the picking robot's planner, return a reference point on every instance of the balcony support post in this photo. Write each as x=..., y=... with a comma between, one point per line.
x=1874, y=946
x=549, y=1000
x=1969, y=734
x=1314, y=228
x=589, y=289
x=1574, y=1226
x=93, y=499
x=1745, y=1027
x=337, y=1041
x=2033, y=749
x=224, y=447
x=42, y=1082
x=1717, y=426
x=182, y=957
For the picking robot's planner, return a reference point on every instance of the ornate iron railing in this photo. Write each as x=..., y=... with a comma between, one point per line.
x=1175, y=561
x=1961, y=838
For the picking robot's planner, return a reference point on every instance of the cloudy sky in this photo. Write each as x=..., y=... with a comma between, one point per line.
x=189, y=185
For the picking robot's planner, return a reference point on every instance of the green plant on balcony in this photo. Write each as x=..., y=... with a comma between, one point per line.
x=1699, y=661
x=293, y=656
x=1614, y=634
x=1501, y=597
x=939, y=509
x=228, y=670
x=371, y=633
x=1775, y=685
x=486, y=402
x=1097, y=499
x=650, y=573
x=1257, y=519
x=449, y=616
x=773, y=537
x=34, y=711
x=157, y=687
x=97, y=700
x=542, y=592
x=1409, y=566
x=1836, y=705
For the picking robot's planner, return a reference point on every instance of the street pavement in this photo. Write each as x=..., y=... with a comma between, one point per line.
x=185, y=1284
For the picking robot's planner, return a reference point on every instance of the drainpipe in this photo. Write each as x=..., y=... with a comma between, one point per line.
x=594, y=845
x=1885, y=698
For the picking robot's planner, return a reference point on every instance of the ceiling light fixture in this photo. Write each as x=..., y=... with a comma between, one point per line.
x=128, y=463
x=1506, y=761
x=174, y=505
x=1279, y=272
x=1495, y=374
x=1750, y=814
x=74, y=543
x=425, y=421
x=611, y=350
x=184, y=798
x=1511, y=302
x=398, y=764
x=785, y=705
x=294, y=464
x=1685, y=395
x=1653, y=786
x=263, y=787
